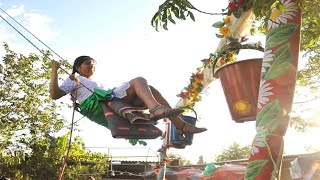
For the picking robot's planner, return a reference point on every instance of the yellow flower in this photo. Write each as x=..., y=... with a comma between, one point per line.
x=198, y=80
x=195, y=95
x=195, y=85
x=225, y=31
x=227, y=20
x=231, y=54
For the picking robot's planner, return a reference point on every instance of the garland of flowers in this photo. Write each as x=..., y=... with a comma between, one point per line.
x=226, y=55
x=193, y=91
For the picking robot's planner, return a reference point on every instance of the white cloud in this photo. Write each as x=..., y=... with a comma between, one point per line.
x=39, y=25
x=16, y=10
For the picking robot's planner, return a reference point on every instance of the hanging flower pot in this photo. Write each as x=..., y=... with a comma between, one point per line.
x=240, y=82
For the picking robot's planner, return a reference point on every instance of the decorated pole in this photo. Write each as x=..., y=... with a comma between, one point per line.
x=278, y=78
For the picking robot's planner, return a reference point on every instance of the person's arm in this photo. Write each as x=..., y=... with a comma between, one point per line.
x=55, y=91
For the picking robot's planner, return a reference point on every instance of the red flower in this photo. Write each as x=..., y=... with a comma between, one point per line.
x=232, y=6
x=222, y=60
x=199, y=76
x=241, y=2
x=184, y=95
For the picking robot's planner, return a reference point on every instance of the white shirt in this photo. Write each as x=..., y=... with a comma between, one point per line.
x=69, y=86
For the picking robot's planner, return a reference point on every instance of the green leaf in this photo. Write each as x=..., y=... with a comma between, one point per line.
x=191, y=16
x=182, y=17
x=237, y=13
x=270, y=116
x=165, y=26
x=175, y=11
x=171, y=20
x=254, y=168
x=280, y=34
x=218, y=24
x=282, y=63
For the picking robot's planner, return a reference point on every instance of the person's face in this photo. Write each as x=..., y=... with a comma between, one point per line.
x=87, y=68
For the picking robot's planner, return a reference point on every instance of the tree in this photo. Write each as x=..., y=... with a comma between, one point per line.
x=233, y=152
x=177, y=157
x=29, y=121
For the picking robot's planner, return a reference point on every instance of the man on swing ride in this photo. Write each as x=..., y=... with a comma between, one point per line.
x=136, y=92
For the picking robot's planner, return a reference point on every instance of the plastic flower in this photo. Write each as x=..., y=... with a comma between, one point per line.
x=232, y=6
x=227, y=20
x=225, y=31
x=280, y=16
x=199, y=76
x=184, y=95
x=195, y=95
x=241, y=2
x=195, y=85
x=198, y=80
x=264, y=93
x=260, y=139
x=267, y=60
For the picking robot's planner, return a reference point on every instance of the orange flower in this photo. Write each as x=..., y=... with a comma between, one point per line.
x=227, y=20
x=198, y=80
x=195, y=85
x=225, y=31
x=195, y=95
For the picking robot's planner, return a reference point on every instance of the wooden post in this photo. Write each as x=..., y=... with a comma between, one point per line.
x=278, y=78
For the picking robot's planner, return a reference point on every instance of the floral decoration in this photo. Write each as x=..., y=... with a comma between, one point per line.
x=281, y=13
x=164, y=161
x=193, y=91
x=264, y=92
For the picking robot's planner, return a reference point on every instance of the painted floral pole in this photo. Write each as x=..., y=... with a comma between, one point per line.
x=279, y=69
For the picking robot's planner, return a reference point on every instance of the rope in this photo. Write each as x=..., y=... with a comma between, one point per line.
x=77, y=83
x=35, y=45
x=29, y=33
x=64, y=164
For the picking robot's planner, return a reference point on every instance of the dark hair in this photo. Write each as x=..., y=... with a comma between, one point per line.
x=79, y=60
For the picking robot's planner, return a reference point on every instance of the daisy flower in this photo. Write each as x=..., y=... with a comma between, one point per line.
x=279, y=16
x=259, y=140
x=264, y=93
x=267, y=60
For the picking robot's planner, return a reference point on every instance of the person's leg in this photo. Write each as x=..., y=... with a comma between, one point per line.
x=177, y=121
x=140, y=93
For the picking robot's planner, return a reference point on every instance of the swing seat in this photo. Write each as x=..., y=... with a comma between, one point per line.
x=129, y=122
x=179, y=141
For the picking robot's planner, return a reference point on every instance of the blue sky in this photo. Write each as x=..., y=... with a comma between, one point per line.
x=119, y=35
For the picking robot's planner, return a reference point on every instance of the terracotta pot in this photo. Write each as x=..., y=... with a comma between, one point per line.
x=240, y=82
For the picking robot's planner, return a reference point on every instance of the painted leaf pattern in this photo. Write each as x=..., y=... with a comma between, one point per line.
x=254, y=168
x=282, y=63
x=280, y=34
x=270, y=116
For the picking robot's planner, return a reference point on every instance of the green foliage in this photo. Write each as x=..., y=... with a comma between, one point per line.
x=179, y=8
x=233, y=152
x=82, y=161
x=27, y=113
x=29, y=119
